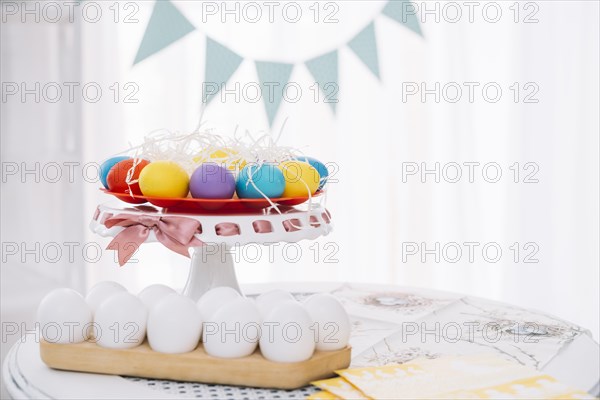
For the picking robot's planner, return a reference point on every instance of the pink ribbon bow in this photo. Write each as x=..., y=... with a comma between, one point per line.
x=176, y=233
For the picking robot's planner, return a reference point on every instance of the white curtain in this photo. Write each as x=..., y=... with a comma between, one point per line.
x=375, y=134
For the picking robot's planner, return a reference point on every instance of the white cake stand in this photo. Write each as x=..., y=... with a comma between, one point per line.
x=212, y=264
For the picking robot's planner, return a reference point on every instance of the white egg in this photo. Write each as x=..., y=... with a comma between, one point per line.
x=234, y=330
x=64, y=317
x=331, y=319
x=286, y=334
x=212, y=300
x=152, y=294
x=174, y=325
x=101, y=291
x=120, y=321
x=266, y=301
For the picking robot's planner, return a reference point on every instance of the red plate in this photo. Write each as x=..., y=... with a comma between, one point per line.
x=191, y=205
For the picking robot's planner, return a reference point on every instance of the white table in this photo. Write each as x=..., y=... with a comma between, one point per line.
x=390, y=325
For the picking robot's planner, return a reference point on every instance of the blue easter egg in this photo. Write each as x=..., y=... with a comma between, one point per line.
x=319, y=166
x=107, y=165
x=266, y=177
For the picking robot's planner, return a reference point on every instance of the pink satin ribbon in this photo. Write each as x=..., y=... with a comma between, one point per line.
x=291, y=225
x=175, y=233
x=262, y=226
x=227, y=229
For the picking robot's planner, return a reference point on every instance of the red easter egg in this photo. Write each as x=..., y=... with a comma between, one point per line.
x=117, y=176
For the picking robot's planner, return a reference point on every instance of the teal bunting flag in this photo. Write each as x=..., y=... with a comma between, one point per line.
x=364, y=46
x=325, y=71
x=273, y=77
x=221, y=63
x=404, y=12
x=166, y=26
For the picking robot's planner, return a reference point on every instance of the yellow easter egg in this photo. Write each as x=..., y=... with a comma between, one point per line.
x=300, y=178
x=164, y=179
x=237, y=165
x=223, y=156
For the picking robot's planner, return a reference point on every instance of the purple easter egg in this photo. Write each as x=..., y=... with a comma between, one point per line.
x=211, y=181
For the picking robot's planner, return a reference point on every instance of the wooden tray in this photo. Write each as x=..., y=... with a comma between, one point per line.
x=196, y=366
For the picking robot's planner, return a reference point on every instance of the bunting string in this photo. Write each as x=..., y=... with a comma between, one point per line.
x=168, y=25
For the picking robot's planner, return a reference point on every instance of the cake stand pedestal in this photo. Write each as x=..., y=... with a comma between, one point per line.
x=209, y=269
x=212, y=264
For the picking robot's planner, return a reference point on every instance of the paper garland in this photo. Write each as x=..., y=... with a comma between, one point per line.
x=325, y=71
x=402, y=11
x=273, y=77
x=221, y=63
x=167, y=25
x=365, y=46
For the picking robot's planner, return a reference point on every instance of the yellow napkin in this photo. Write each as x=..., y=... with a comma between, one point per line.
x=340, y=388
x=323, y=395
x=466, y=377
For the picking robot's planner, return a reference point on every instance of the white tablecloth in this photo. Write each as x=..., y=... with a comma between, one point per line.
x=390, y=325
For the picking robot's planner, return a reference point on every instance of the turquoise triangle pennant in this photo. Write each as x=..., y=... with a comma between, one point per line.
x=404, y=12
x=325, y=71
x=166, y=25
x=221, y=63
x=273, y=77
x=365, y=46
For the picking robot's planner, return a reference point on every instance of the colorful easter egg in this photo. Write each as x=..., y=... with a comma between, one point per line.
x=319, y=166
x=211, y=181
x=117, y=178
x=107, y=165
x=164, y=179
x=223, y=156
x=265, y=178
x=300, y=178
